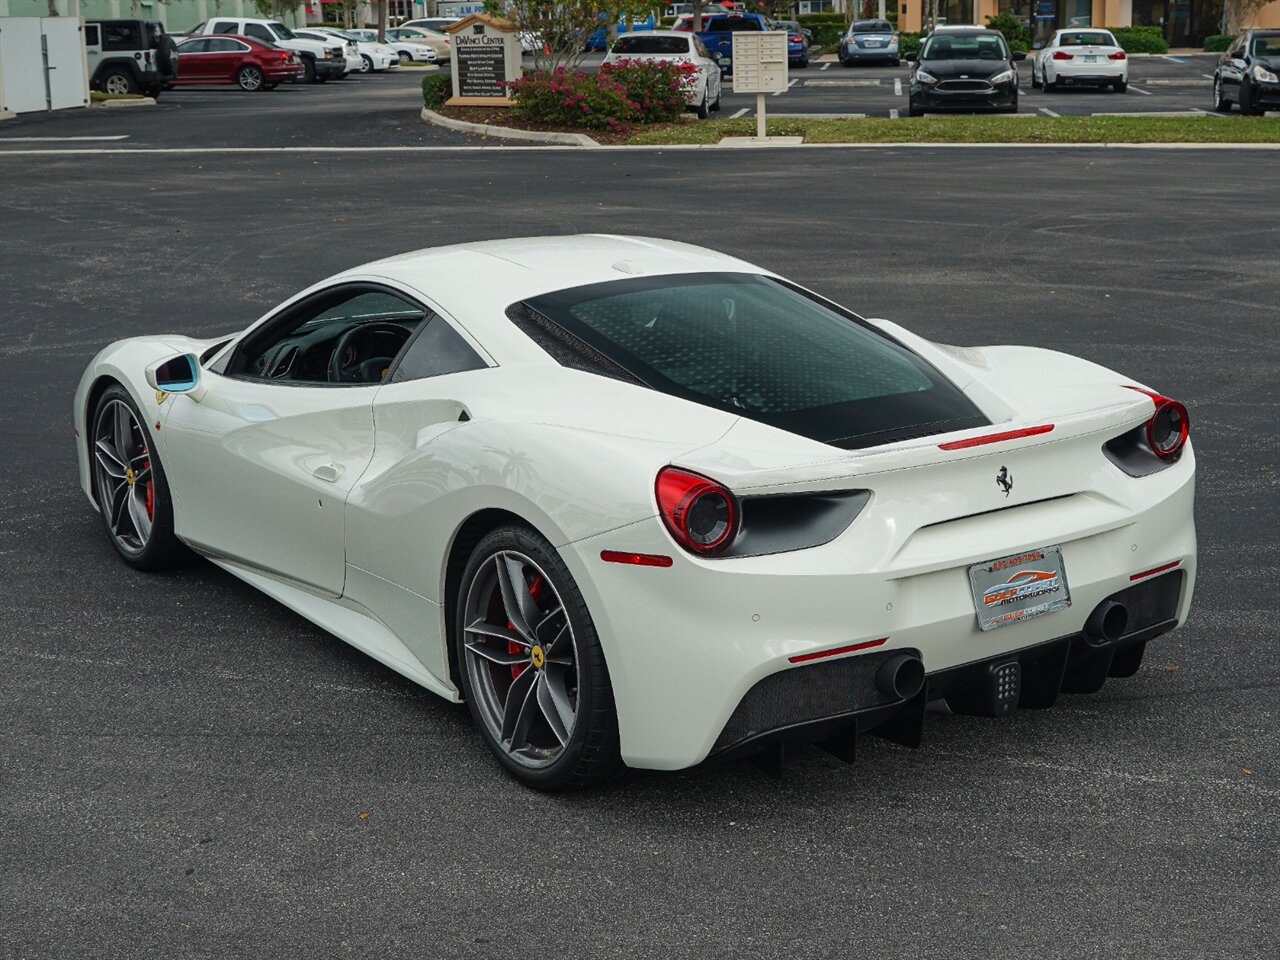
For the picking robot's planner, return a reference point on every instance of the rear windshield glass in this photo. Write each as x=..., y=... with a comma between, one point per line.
x=753, y=346
x=641, y=44
x=1087, y=40
x=982, y=46
x=871, y=26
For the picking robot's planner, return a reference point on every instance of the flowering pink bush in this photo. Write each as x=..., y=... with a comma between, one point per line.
x=617, y=96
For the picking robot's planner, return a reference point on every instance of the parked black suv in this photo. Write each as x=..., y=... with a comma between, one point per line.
x=1249, y=74
x=129, y=56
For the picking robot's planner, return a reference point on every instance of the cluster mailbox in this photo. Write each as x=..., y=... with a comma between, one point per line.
x=760, y=67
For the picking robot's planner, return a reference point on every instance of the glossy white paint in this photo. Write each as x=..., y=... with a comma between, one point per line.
x=575, y=455
x=1086, y=60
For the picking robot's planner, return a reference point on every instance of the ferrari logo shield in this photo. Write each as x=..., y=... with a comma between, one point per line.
x=537, y=657
x=161, y=396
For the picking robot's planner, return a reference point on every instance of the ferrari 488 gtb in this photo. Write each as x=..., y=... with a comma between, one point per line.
x=641, y=503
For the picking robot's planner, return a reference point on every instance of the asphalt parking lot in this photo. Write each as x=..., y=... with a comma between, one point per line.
x=191, y=770
x=381, y=110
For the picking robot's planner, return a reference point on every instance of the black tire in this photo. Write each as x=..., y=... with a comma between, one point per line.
x=1035, y=83
x=249, y=78
x=591, y=753
x=404, y=57
x=913, y=110
x=702, y=111
x=167, y=57
x=118, y=80
x=1220, y=103
x=153, y=91
x=1247, y=105
x=308, y=71
x=1048, y=87
x=802, y=63
x=162, y=549
x=1120, y=86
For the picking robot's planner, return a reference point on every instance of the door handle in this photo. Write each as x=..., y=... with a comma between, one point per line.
x=328, y=472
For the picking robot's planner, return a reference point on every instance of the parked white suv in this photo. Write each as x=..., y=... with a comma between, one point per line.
x=321, y=60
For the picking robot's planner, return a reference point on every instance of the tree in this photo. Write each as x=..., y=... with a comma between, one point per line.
x=1239, y=15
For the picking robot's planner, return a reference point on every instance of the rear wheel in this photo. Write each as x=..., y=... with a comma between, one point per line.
x=1220, y=103
x=1120, y=86
x=249, y=78
x=1247, y=106
x=532, y=669
x=119, y=81
x=129, y=484
x=1049, y=85
x=308, y=71
x=1035, y=80
x=701, y=111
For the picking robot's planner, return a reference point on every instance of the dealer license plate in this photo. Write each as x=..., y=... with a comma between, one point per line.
x=1017, y=588
x=1089, y=59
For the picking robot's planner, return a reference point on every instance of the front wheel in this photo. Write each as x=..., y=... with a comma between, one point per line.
x=308, y=71
x=1247, y=106
x=249, y=78
x=404, y=57
x=366, y=63
x=1220, y=103
x=532, y=669
x=913, y=110
x=129, y=484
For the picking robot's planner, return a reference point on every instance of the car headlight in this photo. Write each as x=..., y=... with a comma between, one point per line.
x=1261, y=73
x=925, y=77
x=1004, y=76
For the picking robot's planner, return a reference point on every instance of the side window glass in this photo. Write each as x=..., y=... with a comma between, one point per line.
x=91, y=34
x=258, y=32
x=224, y=26
x=437, y=350
x=344, y=336
x=120, y=36
x=194, y=46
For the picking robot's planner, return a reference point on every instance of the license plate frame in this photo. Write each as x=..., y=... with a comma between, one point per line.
x=1019, y=587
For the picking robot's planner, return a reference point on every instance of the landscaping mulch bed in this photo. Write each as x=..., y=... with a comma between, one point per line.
x=507, y=117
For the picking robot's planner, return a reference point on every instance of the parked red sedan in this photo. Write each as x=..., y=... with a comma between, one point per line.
x=250, y=64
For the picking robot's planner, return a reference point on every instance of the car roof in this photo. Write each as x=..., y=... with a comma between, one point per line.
x=655, y=33
x=476, y=282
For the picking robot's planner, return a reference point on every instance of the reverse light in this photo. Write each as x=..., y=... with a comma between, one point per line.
x=1118, y=55
x=700, y=514
x=1169, y=426
x=1061, y=55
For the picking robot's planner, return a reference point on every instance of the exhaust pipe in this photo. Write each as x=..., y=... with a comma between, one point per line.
x=901, y=676
x=1107, y=623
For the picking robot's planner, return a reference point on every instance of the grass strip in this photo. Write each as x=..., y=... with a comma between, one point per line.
x=980, y=129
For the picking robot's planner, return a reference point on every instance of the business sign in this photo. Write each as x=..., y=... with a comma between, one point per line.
x=760, y=62
x=486, y=56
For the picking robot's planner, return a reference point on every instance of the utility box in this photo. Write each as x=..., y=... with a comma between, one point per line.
x=42, y=64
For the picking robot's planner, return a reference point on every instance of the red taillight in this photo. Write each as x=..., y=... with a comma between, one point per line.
x=1059, y=55
x=1169, y=426
x=796, y=39
x=1118, y=55
x=284, y=57
x=700, y=514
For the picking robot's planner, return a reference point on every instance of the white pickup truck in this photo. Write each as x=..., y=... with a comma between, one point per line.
x=321, y=60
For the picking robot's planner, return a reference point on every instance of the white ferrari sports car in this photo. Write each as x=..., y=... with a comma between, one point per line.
x=637, y=502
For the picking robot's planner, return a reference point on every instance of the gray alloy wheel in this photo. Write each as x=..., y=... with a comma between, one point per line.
x=249, y=78
x=118, y=82
x=521, y=658
x=404, y=56
x=366, y=63
x=123, y=477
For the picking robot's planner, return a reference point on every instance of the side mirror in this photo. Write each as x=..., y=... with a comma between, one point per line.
x=180, y=374
x=1019, y=55
x=910, y=57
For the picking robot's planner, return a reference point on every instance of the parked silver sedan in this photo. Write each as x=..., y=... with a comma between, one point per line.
x=869, y=41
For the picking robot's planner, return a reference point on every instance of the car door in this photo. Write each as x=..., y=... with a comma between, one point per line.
x=260, y=466
x=224, y=57
x=191, y=58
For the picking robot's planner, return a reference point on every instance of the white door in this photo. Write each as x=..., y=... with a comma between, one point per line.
x=22, y=61
x=68, y=82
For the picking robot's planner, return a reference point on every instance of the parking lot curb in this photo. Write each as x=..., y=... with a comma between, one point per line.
x=139, y=102
x=507, y=133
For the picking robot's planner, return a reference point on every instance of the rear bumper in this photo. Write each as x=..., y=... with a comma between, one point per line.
x=1090, y=79
x=686, y=643
x=869, y=53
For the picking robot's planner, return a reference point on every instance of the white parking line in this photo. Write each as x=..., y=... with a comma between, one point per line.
x=893, y=113
x=1049, y=113
x=123, y=136
x=740, y=113
x=781, y=92
x=1145, y=93
x=897, y=86
x=1207, y=76
x=825, y=66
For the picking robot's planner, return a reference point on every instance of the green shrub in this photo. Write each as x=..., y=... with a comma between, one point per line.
x=909, y=43
x=812, y=20
x=436, y=89
x=1140, y=39
x=613, y=98
x=827, y=35
x=1217, y=42
x=1012, y=28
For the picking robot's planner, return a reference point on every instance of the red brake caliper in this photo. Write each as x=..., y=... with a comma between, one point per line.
x=151, y=490
x=512, y=646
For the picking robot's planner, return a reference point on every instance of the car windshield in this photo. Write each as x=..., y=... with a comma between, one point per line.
x=871, y=26
x=1267, y=46
x=281, y=31
x=1086, y=40
x=659, y=45
x=754, y=346
x=983, y=46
